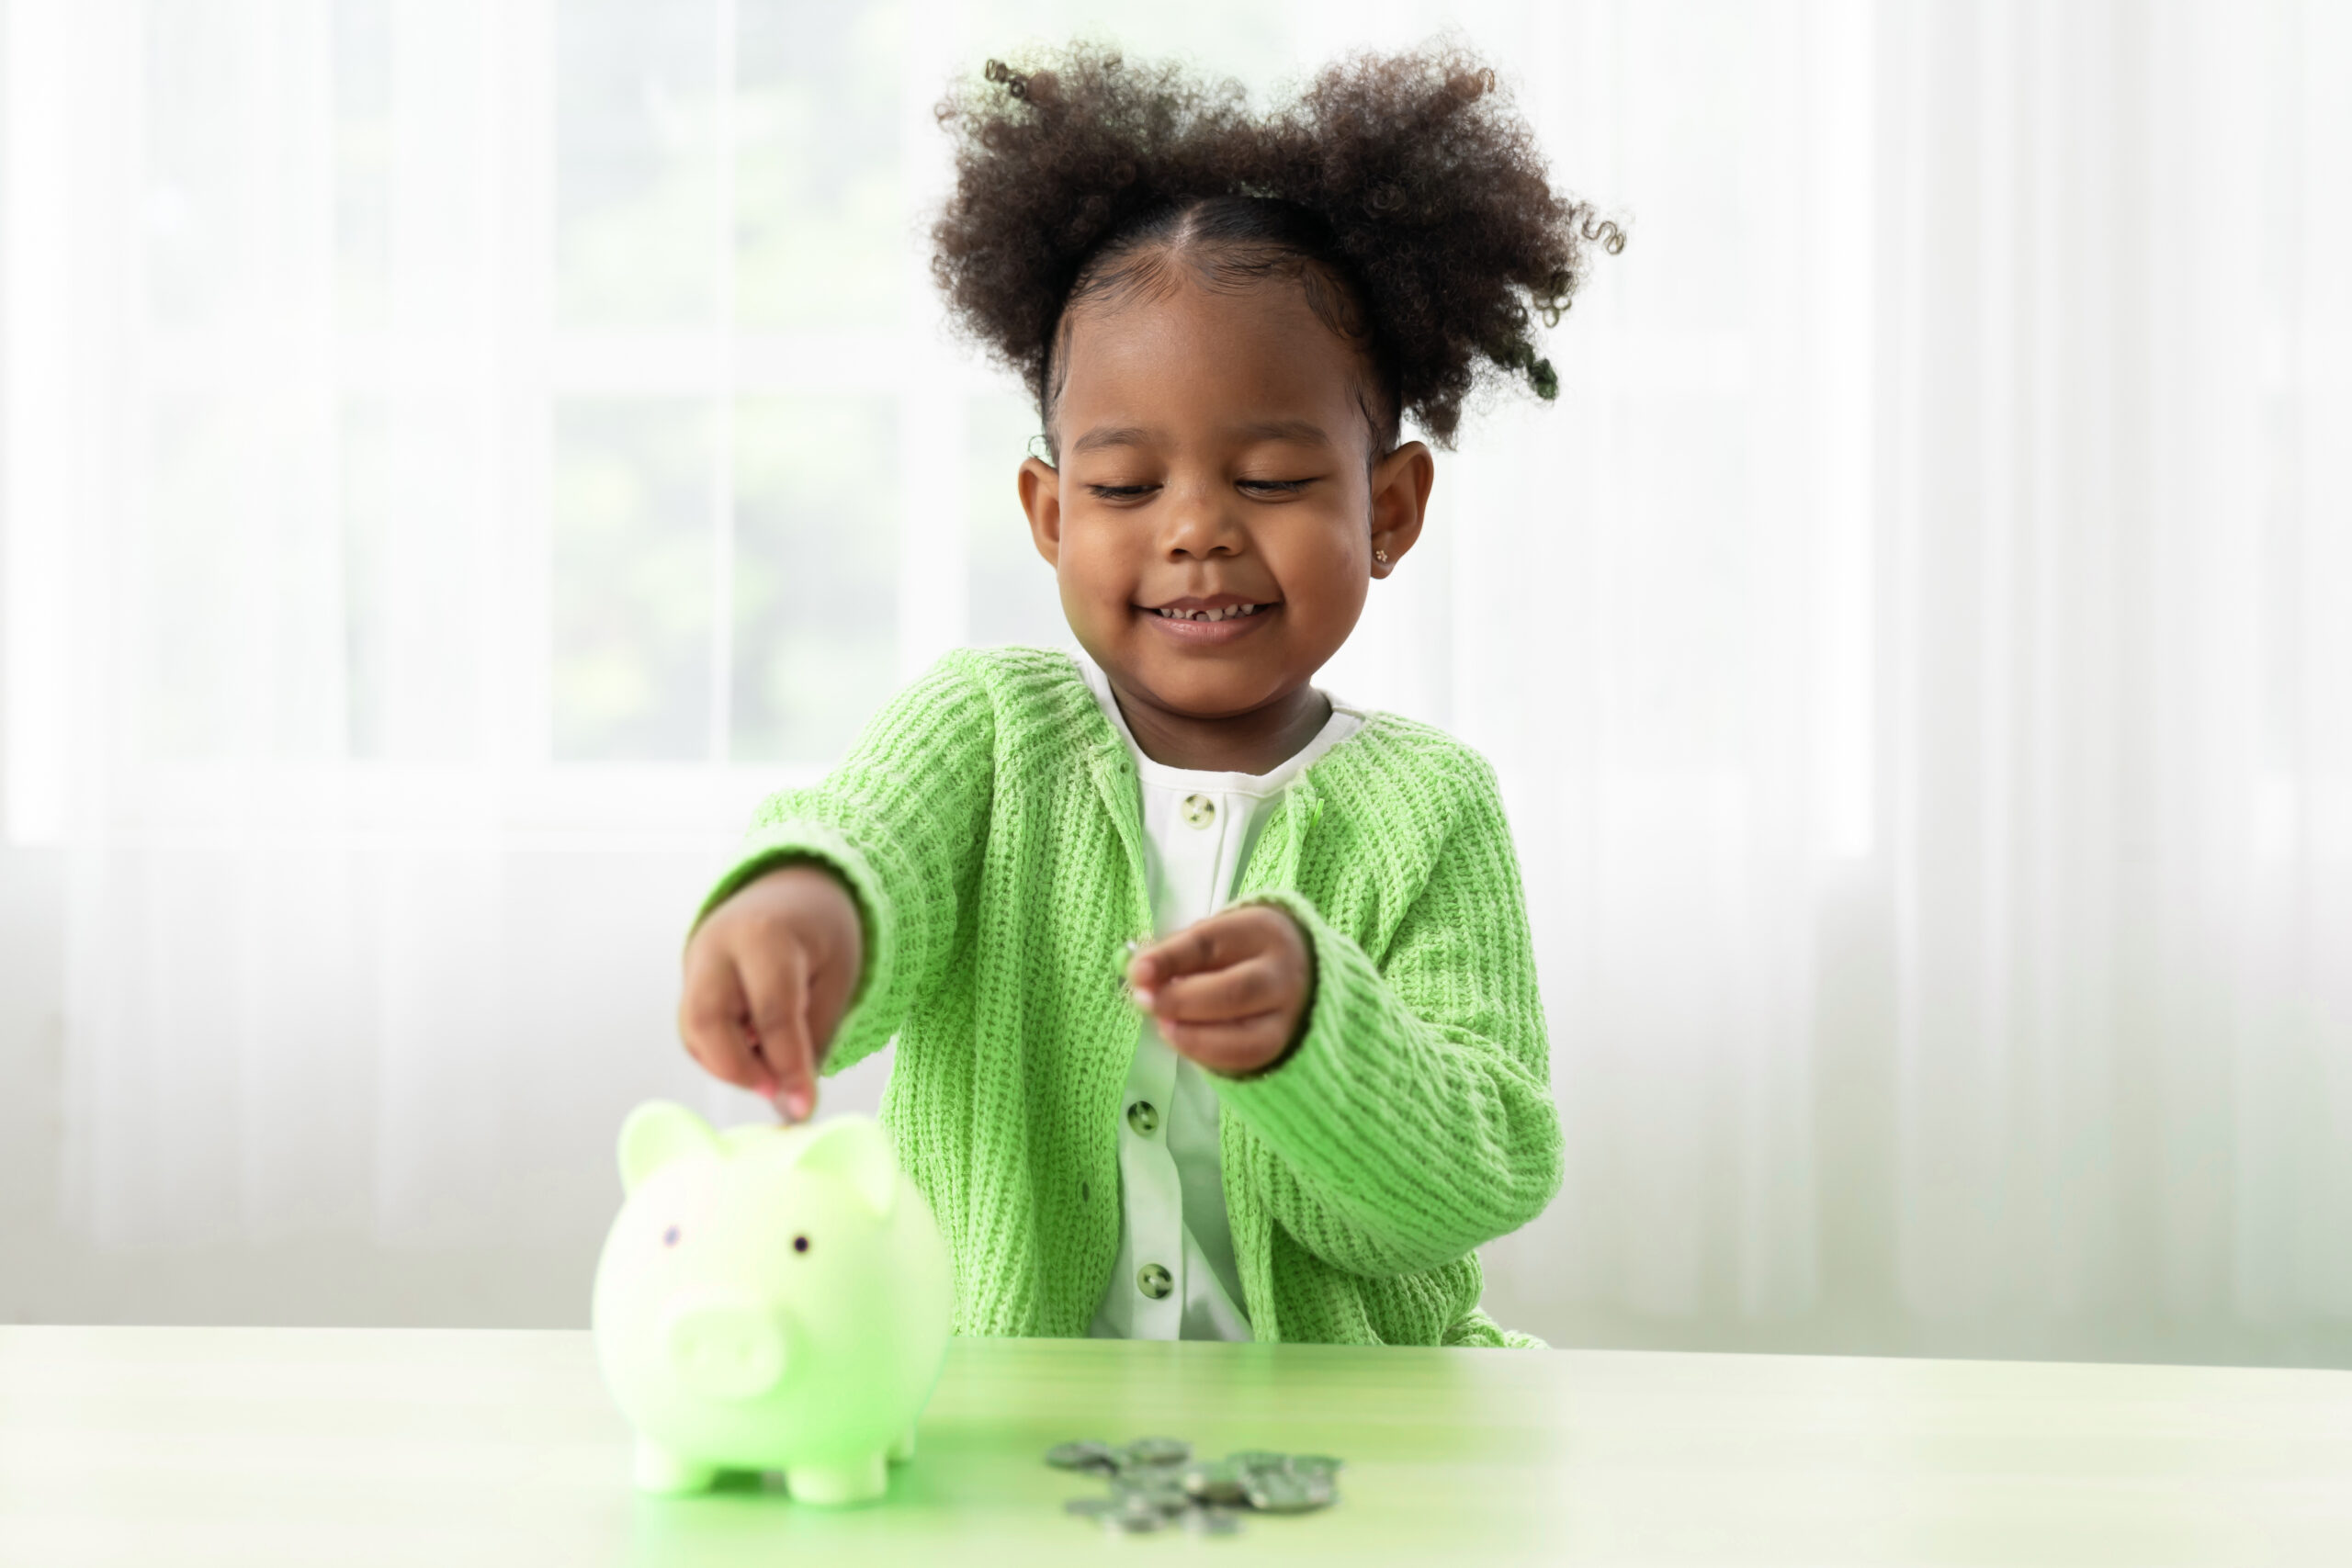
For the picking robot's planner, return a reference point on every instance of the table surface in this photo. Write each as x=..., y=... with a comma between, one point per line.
x=187, y=1445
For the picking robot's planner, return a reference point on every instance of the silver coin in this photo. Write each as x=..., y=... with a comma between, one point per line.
x=1280, y=1492
x=1150, y=1474
x=1212, y=1521
x=1080, y=1456
x=1257, y=1459
x=1315, y=1464
x=1131, y=1524
x=1159, y=1450
x=1164, y=1497
x=1088, y=1508
x=1128, y=1519
x=1215, y=1480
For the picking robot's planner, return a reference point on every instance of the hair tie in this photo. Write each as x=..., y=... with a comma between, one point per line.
x=1016, y=83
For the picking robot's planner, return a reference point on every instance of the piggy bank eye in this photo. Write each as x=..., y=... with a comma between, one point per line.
x=670, y=1236
x=800, y=1244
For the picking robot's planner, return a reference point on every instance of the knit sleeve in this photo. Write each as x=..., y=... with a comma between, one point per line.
x=902, y=822
x=1415, y=1121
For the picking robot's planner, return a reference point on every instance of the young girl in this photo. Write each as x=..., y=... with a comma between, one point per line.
x=1337, y=1086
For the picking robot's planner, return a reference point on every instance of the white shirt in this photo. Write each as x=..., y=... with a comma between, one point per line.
x=1175, y=1278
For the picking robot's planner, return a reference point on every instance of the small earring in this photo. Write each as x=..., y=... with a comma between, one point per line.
x=1380, y=556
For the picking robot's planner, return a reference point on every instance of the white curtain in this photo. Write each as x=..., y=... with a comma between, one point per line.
x=457, y=458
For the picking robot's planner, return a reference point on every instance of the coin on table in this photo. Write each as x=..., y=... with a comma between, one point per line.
x=1212, y=1521
x=1088, y=1508
x=1280, y=1492
x=1315, y=1464
x=1164, y=1496
x=1132, y=1517
x=1257, y=1459
x=1149, y=1474
x=1214, y=1480
x=1159, y=1450
x=1080, y=1456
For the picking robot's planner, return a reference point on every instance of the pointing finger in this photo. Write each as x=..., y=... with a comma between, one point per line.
x=778, y=993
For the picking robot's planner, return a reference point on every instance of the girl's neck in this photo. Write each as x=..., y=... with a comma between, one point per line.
x=1255, y=742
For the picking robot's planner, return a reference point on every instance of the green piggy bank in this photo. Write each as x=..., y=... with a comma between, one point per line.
x=770, y=1299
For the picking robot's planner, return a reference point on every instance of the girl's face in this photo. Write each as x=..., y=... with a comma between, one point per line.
x=1215, y=517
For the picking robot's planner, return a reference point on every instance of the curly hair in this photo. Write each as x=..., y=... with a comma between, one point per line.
x=1402, y=191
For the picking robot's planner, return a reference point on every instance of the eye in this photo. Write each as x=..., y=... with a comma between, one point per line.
x=800, y=1244
x=1121, y=492
x=1275, y=487
x=670, y=1236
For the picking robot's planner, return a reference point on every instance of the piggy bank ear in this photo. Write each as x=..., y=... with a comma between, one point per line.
x=658, y=1132
x=854, y=1149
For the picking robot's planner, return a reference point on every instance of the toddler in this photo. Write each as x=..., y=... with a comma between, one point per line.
x=1337, y=1087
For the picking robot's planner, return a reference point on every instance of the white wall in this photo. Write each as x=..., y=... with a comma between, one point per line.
x=2094, y=1109
x=536, y=1275
x=539, y=1275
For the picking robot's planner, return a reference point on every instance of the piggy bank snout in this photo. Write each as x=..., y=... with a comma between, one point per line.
x=724, y=1346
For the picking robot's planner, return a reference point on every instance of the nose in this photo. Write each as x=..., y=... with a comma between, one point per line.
x=1199, y=525
x=723, y=1346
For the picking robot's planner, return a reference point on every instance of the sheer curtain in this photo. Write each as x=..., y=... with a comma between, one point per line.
x=457, y=458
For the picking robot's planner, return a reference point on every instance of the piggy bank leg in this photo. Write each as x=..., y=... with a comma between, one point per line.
x=659, y=1470
x=904, y=1449
x=859, y=1481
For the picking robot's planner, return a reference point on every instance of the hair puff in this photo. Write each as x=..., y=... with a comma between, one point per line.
x=1422, y=187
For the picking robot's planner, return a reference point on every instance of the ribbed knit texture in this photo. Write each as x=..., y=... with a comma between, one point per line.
x=989, y=825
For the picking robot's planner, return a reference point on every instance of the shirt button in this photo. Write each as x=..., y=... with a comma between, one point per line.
x=1154, y=1281
x=1199, y=810
x=1144, y=1117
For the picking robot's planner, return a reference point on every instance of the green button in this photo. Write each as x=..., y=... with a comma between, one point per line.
x=1154, y=1281
x=1144, y=1117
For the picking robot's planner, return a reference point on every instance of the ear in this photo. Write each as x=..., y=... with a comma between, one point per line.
x=1400, y=499
x=657, y=1133
x=1041, y=498
x=854, y=1149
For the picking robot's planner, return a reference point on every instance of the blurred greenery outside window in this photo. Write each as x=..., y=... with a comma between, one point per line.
x=729, y=484
x=725, y=565
x=727, y=574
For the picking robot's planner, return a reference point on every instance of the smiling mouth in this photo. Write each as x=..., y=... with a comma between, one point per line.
x=1226, y=613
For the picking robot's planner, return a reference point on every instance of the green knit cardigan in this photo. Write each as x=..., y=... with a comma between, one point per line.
x=989, y=825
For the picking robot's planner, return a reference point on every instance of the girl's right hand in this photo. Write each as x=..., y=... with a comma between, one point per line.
x=768, y=975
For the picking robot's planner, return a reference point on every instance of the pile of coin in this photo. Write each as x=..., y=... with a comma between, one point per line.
x=1157, y=1484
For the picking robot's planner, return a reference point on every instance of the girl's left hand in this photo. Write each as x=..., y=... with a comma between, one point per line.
x=1230, y=991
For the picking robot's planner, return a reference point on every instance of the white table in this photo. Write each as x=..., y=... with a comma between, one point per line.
x=181, y=1447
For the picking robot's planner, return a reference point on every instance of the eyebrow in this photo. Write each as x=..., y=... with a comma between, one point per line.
x=1112, y=435
x=1305, y=431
